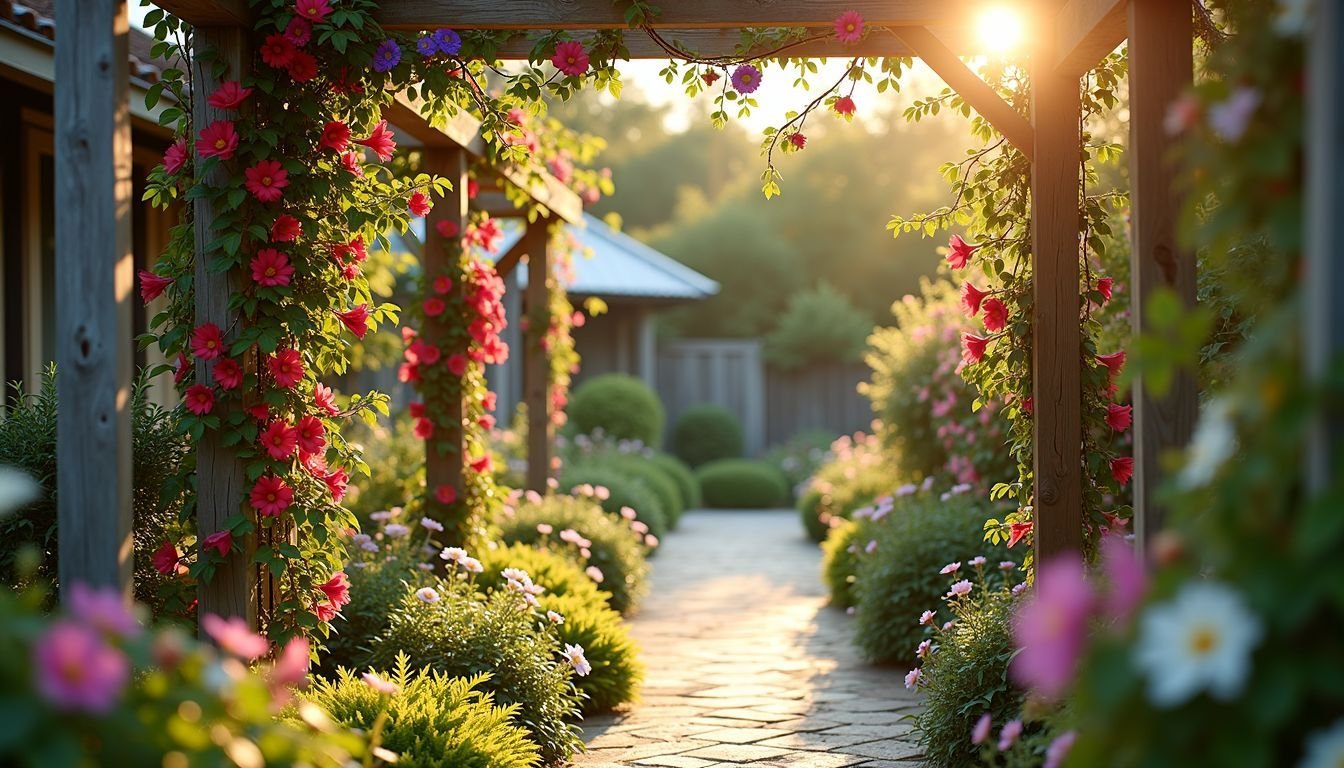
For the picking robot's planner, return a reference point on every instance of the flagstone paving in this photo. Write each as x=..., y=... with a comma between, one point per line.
x=747, y=664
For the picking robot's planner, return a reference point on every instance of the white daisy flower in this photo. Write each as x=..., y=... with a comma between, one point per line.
x=1201, y=639
x=1325, y=749
x=574, y=653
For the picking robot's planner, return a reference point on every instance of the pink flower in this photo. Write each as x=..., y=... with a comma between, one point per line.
x=844, y=106
x=280, y=439
x=950, y=568
x=291, y=666
x=325, y=399
x=166, y=558
x=423, y=428
x=285, y=229
x=926, y=619
x=446, y=494
x=286, y=367
x=152, y=286
x=971, y=298
x=233, y=636
x=1122, y=468
x=337, y=589
x=443, y=285
x=996, y=315
x=1119, y=417
x=311, y=434
x=1114, y=362
x=314, y=11
x=220, y=541
x=457, y=364
x=1125, y=577
x=102, y=609
x=298, y=32
x=271, y=496
x=960, y=589
x=1051, y=627
x=746, y=79
x=76, y=669
x=379, y=684
x=229, y=95
x=973, y=347
x=849, y=27
x=570, y=58
x=914, y=677
x=228, y=373
x=447, y=228
x=265, y=180
x=1059, y=749
x=381, y=141
x=351, y=161
x=219, y=139
x=959, y=253
x=1105, y=286
x=199, y=399
x=419, y=204
x=326, y=612
x=271, y=268
x=434, y=306
x=1008, y=736
x=175, y=157
x=356, y=320
x=207, y=343
x=980, y=734
x=335, y=136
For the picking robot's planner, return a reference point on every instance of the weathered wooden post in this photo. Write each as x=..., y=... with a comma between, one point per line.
x=220, y=480
x=94, y=274
x=1161, y=66
x=536, y=361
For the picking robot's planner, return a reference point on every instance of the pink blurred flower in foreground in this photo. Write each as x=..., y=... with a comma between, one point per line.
x=1125, y=577
x=1051, y=627
x=1059, y=749
x=102, y=609
x=1008, y=736
x=980, y=733
x=379, y=684
x=76, y=669
x=234, y=636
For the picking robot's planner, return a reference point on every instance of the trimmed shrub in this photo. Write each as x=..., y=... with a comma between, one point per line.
x=741, y=484
x=800, y=457
x=615, y=550
x=461, y=635
x=900, y=580
x=617, y=670
x=859, y=473
x=550, y=568
x=706, y=433
x=683, y=475
x=433, y=721
x=661, y=484
x=620, y=406
x=819, y=326
x=373, y=588
x=623, y=490
x=840, y=561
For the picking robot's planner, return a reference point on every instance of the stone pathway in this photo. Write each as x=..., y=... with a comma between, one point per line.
x=747, y=664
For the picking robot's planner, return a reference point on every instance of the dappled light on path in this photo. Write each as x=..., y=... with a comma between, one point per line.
x=747, y=664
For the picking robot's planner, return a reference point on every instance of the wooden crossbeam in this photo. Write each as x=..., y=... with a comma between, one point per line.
x=695, y=14
x=1087, y=30
x=721, y=42
x=968, y=84
x=209, y=13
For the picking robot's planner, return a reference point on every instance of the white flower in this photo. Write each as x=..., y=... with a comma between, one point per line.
x=544, y=529
x=1325, y=749
x=913, y=677
x=594, y=573
x=960, y=588
x=396, y=530
x=1229, y=118
x=871, y=547
x=516, y=574
x=629, y=513
x=16, y=490
x=454, y=554
x=1202, y=639
x=907, y=490
x=427, y=595
x=950, y=568
x=1214, y=442
x=472, y=565
x=431, y=524
x=381, y=515
x=574, y=653
x=555, y=618
x=978, y=561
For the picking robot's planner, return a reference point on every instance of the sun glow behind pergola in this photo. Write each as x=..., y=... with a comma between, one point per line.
x=1000, y=29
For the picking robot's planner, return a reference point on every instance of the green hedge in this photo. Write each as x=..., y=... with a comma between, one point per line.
x=859, y=473
x=623, y=490
x=656, y=479
x=706, y=433
x=840, y=561
x=683, y=475
x=620, y=406
x=741, y=484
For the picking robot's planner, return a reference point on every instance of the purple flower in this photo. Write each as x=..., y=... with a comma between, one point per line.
x=387, y=56
x=1059, y=749
x=76, y=669
x=746, y=79
x=102, y=609
x=448, y=41
x=427, y=46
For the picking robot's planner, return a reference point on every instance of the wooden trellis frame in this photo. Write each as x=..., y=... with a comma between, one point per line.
x=1070, y=36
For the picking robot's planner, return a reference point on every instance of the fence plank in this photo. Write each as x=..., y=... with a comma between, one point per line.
x=93, y=291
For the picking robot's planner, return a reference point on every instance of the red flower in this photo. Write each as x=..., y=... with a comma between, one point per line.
x=996, y=315
x=443, y=284
x=424, y=428
x=798, y=140
x=220, y=541
x=166, y=558
x=416, y=410
x=849, y=27
x=1122, y=469
x=298, y=32
x=357, y=320
x=324, y=612
x=419, y=204
x=1016, y=531
x=487, y=422
x=325, y=399
x=278, y=51
x=337, y=589
x=271, y=496
x=971, y=298
x=351, y=161
x=570, y=58
x=482, y=465
x=335, y=136
x=302, y=67
x=266, y=179
x=447, y=228
x=229, y=95
x=1029, y=405
x=380, y=141
x=259, y=411
x=280, y=439
x=181, y=368
x=175, y=157
x=710, y=77
x=285, y=229
x=973, y=347
x=337, y=480
x=1105, y=286
x=199, y=399
x=959, y=253
x=1114, y=362
x=488, y=401
x=473, y=189
x=314, y=11
x=434, y=306
x=271, y=268
x=228, y=373
x=457, y=365
x=152, y=286
x=446, y=494
x=286, y=368
x=312, y=435
x=844, y=106
x=1119, y=417
x=219, y=139
x=207, y=343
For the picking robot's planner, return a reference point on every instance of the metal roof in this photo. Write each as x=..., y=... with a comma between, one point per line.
x=613, y=265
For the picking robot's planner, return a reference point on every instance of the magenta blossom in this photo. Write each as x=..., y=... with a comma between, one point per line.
x=102, y=609
x=1051, y=626
x=76, y=669
x=234, y=636
x=746, y=79
x=1124, y=575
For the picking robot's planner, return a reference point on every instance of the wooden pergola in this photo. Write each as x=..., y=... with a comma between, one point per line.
x=1067, y=39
